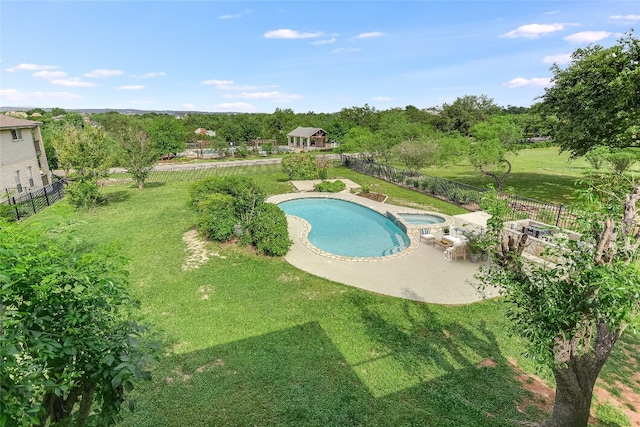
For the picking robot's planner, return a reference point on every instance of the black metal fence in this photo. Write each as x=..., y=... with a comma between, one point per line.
x=461, y=194
x=24, y=205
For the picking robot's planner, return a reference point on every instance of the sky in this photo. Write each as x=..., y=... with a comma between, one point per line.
x=320, y=56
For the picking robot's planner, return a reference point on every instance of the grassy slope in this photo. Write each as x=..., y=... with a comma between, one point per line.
x=252, y=340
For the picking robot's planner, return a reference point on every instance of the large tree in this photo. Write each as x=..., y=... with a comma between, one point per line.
x=573, y=311
x=167, y=134
x=595, y=99
x=465, y=112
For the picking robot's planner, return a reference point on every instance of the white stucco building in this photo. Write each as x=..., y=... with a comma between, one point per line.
x=23, y=161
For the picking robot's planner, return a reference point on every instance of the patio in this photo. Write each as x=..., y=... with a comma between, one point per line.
x=419, y=273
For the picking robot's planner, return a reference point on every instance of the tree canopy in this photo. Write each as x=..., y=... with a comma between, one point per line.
x=69, y=342
x=595, y=99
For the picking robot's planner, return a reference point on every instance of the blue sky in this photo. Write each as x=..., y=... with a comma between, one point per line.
x=317, y=56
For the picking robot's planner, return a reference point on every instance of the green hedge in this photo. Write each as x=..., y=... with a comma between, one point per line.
x=269, y=231
x=234, y=205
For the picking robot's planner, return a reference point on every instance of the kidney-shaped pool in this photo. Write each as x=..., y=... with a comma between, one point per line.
x=348, y=229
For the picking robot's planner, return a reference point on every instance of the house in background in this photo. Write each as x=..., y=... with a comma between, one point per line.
x=308, y=139
x=23, y=161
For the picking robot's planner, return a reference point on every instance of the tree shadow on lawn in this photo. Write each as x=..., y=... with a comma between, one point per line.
x=115, y=197
x=298, y=377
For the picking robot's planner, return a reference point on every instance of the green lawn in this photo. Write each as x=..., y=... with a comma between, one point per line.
x=541, y=173
x=251, y=340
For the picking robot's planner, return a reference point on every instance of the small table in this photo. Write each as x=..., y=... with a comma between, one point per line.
x=444, y=244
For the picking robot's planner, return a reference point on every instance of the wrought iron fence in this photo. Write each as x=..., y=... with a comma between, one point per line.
x=24, y=205
x=462, y=194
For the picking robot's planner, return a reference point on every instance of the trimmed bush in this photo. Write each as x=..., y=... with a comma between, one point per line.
x=216, y=218
x=247, y=195
x=83, y=194
x=330, y=187
x=269, y=230
x=306, y=167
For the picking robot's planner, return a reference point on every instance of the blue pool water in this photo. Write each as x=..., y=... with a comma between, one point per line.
x=348, y=229
x=421, y=219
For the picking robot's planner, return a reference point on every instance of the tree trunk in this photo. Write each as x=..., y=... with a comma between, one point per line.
x=576, y=373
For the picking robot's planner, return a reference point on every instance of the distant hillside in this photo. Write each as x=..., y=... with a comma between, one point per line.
x=119, y=110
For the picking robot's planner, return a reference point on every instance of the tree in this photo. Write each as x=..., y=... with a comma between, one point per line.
x=86, y=153
x=417, y=154
x=492, y=142
x=595, y=99
x=465, y=112
x=573, y=312
x=69, y=344
x=167, y=135
x=136, y=154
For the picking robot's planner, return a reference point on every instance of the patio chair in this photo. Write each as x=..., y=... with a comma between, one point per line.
x=458, y=250
x=425, y=234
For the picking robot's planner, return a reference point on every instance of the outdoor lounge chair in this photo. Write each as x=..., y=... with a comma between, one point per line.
x=425, y=234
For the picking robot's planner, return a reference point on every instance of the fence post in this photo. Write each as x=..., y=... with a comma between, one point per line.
x=559, y=214
x=46, y=196
x=16, y=208
x=33, y=205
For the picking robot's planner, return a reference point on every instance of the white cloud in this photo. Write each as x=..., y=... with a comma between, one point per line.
x=49, y=74
x=551, y=12
x=234, y=106
x=43, y=98
x=131, y=87
x=345, y=50
x=560, y=58
x=103, y=72
x=150, y=75
x=533, y=82
x=73, y=82
x=625, y=18
x=235, y=15
x=285, y=33
x=533, y=31
x=327, y=41
x=189, y=106
x=382, y=98
x=230, y=85
x=31, y=67
x=587, y=36
x=220, y=84
x=370, y=35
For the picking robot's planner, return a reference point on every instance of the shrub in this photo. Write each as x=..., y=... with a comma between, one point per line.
x=83, y=194
x=269, y=230
x=247, y=195
x=621, y=161
x=330, y=187
x=242, y=150
x=7, y=212
x=300, y=167
x=597, y=157
x=216, y=217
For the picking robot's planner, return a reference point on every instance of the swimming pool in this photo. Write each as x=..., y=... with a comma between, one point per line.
x=348, y=229
x=421, y=219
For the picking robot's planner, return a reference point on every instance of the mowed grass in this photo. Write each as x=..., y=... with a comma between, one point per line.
x=541, y=173
x=251, y=340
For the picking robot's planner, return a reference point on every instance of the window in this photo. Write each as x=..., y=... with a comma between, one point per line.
x=18, y=182
x=16, y=134
x=31, y=184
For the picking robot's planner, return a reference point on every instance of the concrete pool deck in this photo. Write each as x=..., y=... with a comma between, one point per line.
x=419, y=273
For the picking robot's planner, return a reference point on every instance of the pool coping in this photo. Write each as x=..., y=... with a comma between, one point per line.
x=412, y=231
